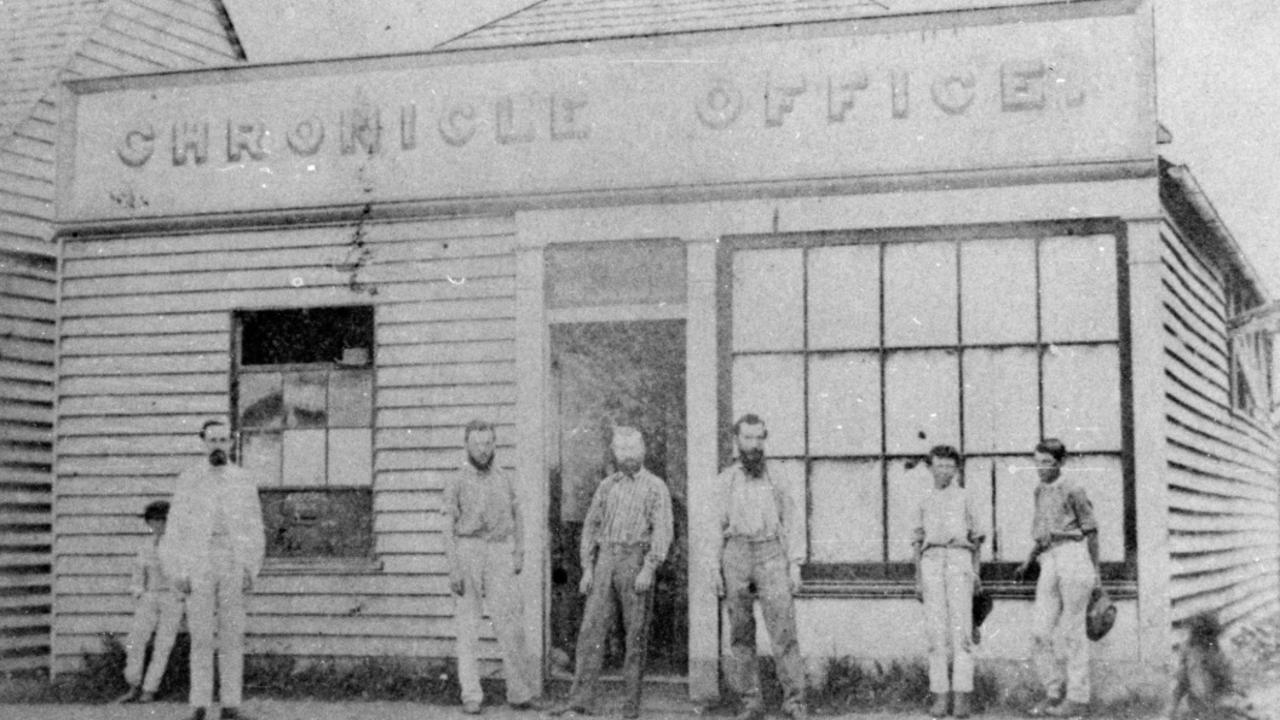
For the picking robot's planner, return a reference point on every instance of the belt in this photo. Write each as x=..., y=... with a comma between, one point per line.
x=618, y=545
x=752, y=540
x=1063, y=540
x=949, y=546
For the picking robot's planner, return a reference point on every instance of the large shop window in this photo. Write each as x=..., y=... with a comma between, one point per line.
x=303, y=389
x=861, y=356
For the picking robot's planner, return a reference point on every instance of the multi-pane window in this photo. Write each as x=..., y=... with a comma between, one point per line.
x=304, y=411
x=861, y=356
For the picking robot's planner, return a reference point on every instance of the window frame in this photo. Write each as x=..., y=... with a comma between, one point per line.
x=896, y=577
x=367, y=561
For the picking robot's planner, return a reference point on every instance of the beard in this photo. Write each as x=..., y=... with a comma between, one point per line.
x=752, y=461
x=629, y=466
x=218, y=458
x=481, y=465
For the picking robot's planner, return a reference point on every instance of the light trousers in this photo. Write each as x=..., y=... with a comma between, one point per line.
x=946, y=579
x=489, y=583
x=764, y=565
x=216, y=603
x=1058, y=627
x=158, y=612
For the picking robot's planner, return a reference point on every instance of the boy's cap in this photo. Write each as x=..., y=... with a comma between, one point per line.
x=158, y=510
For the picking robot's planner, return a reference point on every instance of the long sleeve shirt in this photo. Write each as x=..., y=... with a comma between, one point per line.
x=1063, y=512
x=629, y=510
x=148, y=576
x=482, y=504
x=758, y=508
x=948, y=518
x=212, y=504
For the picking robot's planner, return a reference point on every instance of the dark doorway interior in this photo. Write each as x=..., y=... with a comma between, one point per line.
x=607, y=374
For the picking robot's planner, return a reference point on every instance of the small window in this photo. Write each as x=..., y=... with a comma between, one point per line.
x=303, y=389
x=1250, y=355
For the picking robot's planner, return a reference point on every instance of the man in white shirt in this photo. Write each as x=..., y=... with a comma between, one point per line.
x=212, y=552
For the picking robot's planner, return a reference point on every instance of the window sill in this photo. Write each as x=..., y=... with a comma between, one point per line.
x=889, y=590
x=321, y=566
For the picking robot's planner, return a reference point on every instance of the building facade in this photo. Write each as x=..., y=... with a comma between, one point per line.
x=879, y=231
x=45, y=42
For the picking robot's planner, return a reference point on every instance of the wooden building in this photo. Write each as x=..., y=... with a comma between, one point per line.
x=43, y=42
x=879, y=229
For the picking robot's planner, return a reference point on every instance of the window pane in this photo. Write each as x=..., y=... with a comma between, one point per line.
x=614, y=273
x=350, y=398
x=998, y=291
x=1103, y=480
x=1001, y=400
x=1078, y=288
x=351, y=457
x=772, y=386
x=304, y=399
x=844, y=297
x=260, y=453
x=920, y=294
x=324, y=523
x=978, y=482
x=844, y=404
x=304, y=457
x=922, y=400
x=1082, y=396
x=847, y=523
x=907, y=487
x=261, y=401
x=1016, y=481
x=768, y=301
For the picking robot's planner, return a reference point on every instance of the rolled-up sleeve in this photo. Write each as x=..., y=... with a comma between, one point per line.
x=1083, y=509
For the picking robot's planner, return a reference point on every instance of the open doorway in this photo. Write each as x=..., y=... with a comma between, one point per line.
x=605, y=374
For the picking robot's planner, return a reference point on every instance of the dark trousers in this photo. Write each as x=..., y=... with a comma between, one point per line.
x=613, y=586
x=764, y=565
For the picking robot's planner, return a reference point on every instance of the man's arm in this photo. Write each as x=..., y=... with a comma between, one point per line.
x=788, y=520
x=517, y=517
x=591, y=535
x=449, y=509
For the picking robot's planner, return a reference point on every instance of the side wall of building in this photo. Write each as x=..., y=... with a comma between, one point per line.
x=1224, y=497
x=147, y=341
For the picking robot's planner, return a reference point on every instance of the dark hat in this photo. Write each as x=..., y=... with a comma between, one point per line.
x=158, y=510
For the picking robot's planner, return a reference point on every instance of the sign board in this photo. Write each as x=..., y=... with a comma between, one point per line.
x=964, y=98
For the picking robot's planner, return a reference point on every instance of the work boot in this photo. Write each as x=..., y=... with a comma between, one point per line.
x=232, y=713
x=751, y=711
x=1042, y=708
x=471, y=707
x=960, y=705
x=941, y=705
x=198, y=714
x=1068, y=709
x=147, y=696
x=130, y=695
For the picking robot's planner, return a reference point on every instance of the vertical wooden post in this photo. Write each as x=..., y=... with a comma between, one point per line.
x=703, y=421
x=1151, y=496
x=531, y=471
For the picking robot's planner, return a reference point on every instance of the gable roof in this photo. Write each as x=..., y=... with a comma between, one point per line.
x=551, y=21
x=37, y=37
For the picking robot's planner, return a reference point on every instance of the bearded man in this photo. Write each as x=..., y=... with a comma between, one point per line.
x=212, y=551
x=758, y=560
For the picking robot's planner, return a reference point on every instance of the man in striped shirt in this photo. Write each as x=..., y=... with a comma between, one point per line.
x=626, y=535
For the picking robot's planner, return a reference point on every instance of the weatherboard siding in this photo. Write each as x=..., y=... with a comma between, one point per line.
x=146, y=357
x=1224, y=505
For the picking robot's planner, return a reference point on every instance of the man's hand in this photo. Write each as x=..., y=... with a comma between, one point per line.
x=182, y=585
x=456, y=583
x=644, y=580
x=919, y=591
x=795, y=578
x=584, y=587
x=717, y=582
x=246, y=583
x=1020, y=574
x=517, y=562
